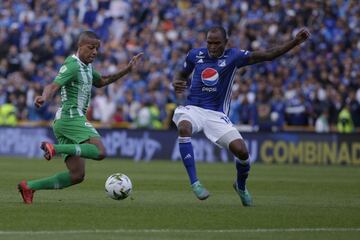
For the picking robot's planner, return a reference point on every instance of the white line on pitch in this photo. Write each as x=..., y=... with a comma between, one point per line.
x=255, y=230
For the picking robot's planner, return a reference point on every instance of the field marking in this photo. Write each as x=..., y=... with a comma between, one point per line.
x=255, y=230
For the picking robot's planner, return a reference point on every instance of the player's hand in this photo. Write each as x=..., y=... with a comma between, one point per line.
x=179, y=85
x=134, y=61
x=39, y=101
x=302, y=36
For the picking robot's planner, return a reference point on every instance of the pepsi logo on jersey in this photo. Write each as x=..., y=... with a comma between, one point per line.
x=210, y=76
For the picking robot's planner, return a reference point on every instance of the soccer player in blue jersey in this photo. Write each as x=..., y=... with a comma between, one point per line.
x=212, y=71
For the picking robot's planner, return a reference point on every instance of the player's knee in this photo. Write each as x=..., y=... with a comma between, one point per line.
x=102, y=155
x=241, y=152
x=185, y=129
x=78, y=177
x=242, y=155
x=101, y=152
x=239, y=149
x=184, y=132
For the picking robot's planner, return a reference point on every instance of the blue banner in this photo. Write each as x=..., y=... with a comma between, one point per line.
x=147, y=145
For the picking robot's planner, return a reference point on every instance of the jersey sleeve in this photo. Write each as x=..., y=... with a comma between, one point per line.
x=242, y=57
x=96, y=76
x=66, y=74
x=189, y=62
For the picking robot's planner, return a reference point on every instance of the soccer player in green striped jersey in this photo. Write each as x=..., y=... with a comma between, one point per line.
x=77, y=138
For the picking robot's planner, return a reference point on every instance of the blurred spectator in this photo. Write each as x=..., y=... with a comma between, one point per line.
x=335, y=104
x=245, y=112
x=322, y=123
x=277, y=114
x=8, y=114
x=118, y=116
x=354, y=108
x=131, y=107
x=103, y=107
x=345, y=123
x=296, y=111
x=2, y=95
x=263, y=110
x=22, y=111
x=13, y=60
x=143, y=119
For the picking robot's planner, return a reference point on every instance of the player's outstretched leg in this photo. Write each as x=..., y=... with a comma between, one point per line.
x=239, y=149
x=49, y=150
x=57, y=181
x=243, y=168
x=27, y=194
x=187, y=155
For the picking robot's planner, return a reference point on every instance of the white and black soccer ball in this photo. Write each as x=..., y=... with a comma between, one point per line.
x=118, y=186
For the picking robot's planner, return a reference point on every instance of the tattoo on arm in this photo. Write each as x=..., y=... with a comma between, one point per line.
x=106, y=80
x=50, y=90
x=268, y=55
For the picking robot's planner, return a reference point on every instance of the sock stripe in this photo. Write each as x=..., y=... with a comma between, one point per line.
x=243, y=162
x=184, y=139
x=77, y=150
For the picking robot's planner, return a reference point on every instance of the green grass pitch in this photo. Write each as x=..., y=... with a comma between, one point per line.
x=292, y=202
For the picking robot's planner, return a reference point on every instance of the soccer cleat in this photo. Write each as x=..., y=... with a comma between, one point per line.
x=200, y=192
x=49, y=150
x=27, y=194
x=245, y=196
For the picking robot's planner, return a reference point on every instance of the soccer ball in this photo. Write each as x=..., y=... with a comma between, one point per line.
x=118, y=186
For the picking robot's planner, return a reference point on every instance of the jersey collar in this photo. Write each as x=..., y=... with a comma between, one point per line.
x=217, y=57
x=78, y=59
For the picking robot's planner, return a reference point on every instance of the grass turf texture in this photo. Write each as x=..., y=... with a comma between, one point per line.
x=292, y=202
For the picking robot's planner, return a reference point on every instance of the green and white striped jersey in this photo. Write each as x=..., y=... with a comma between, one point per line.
x=76, y=79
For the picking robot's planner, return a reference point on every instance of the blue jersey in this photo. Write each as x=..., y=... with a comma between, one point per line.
x=212, y=78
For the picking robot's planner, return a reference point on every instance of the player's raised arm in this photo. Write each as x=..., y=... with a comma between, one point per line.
x=48, y=93
x=268, y=55
x=106, y=80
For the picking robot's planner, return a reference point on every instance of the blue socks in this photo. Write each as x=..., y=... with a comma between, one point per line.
x=187, y=155
x=243, y=168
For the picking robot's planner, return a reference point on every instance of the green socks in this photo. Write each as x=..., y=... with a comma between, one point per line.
x=83, y=150
x=58, y=181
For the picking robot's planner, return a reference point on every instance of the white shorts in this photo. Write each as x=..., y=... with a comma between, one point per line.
x=214, y=124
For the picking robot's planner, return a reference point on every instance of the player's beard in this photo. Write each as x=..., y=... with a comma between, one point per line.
x=216, y=53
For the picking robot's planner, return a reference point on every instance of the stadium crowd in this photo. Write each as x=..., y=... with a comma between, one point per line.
x=319, y=86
